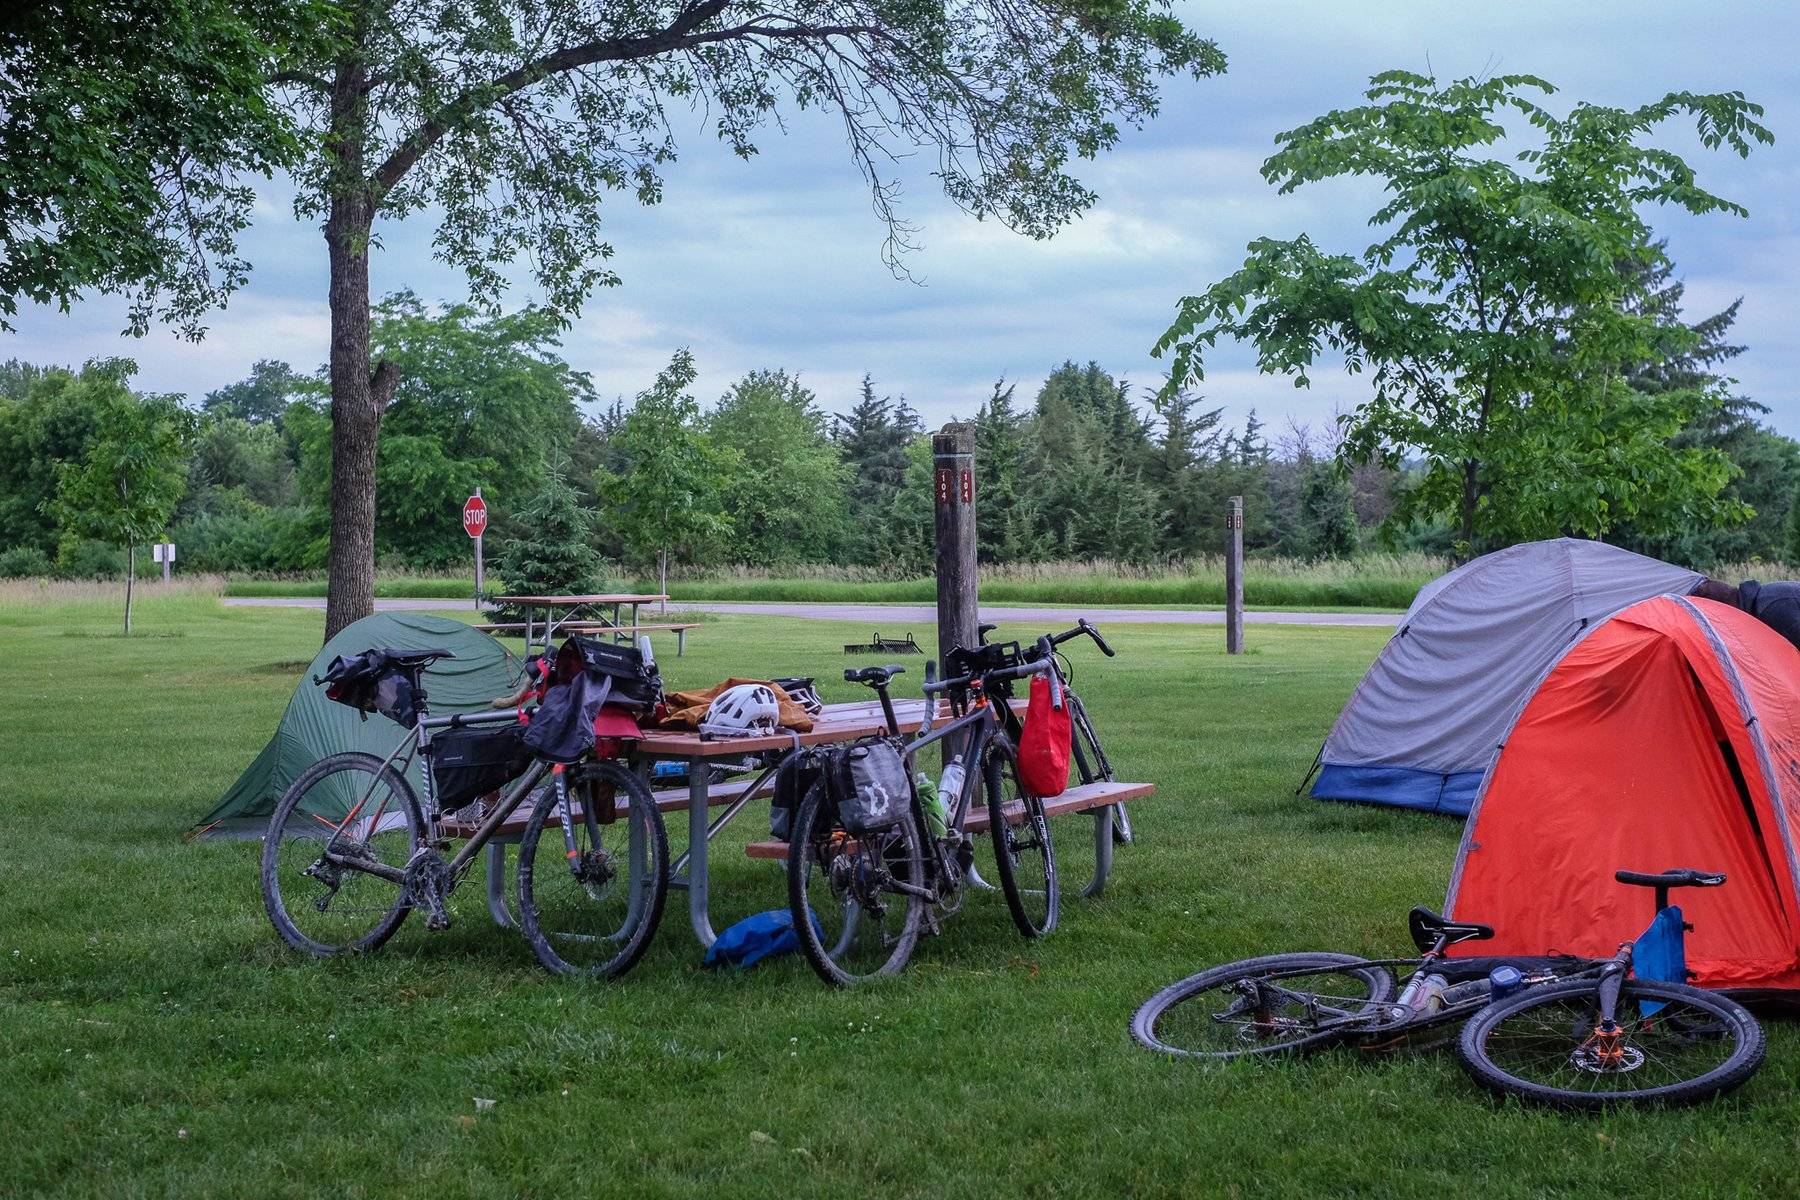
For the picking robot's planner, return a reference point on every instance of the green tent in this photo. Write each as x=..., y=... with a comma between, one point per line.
x=314, y=726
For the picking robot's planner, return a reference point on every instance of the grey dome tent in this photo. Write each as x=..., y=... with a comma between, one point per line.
x=1426, y=722
x=314, y=726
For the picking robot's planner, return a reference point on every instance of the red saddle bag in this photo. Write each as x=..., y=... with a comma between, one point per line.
x=1044, y=743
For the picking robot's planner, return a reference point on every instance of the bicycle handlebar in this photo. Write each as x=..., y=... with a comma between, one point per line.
x=1083, y=628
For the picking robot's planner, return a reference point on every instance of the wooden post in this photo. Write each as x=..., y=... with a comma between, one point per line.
x=1234, y=576
x=953, y=487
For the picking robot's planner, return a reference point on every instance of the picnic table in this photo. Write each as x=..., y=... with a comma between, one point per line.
x=836, y=723
x=602, y=614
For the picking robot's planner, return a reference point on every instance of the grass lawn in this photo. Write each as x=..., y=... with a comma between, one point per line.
x=157, y=1039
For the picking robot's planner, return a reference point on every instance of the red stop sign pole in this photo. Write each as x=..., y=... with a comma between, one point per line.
x=475, y=519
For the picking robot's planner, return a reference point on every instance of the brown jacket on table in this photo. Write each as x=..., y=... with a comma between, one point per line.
x=688, y=709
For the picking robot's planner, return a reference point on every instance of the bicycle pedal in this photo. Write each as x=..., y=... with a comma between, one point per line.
x=437, y=918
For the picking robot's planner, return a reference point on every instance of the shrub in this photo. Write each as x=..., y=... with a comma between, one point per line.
x=25, y=562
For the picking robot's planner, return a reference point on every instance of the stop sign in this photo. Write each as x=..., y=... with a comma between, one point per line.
x=475, y=516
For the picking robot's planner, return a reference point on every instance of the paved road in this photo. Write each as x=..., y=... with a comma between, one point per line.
x=901, y=614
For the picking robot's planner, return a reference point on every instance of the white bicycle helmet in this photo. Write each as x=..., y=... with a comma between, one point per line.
x=742, y=711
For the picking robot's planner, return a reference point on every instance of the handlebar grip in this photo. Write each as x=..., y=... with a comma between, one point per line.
x=1087, y=627
x=945, y=685
x=1020, y=671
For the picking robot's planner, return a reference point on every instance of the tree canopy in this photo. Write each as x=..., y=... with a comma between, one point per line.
x=1492, y=316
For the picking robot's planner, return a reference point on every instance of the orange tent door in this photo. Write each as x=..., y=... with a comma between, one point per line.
x=1616, y=762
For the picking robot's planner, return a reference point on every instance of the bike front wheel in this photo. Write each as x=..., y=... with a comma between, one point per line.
x=1264, y=1007
x=590, y=900
x=346, y=818
x=857, y=901
x=1671, y=1045
x=1022, y=849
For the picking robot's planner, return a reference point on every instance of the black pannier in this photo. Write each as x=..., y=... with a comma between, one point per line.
x=794, y=778
x=471, y=762
x=635, y=683
x=869, y=785
x=372, y=682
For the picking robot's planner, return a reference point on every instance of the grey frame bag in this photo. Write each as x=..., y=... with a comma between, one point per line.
x=869, y=786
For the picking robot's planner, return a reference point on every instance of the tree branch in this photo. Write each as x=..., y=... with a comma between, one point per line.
x=680, y=35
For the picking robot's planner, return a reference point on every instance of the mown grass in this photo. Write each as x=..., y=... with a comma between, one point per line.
x=159, y=1041
x=1383, y=581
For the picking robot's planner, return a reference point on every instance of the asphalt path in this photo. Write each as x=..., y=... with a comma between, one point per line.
x=902, y=614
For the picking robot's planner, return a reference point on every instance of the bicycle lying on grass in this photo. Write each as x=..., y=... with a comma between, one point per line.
x=350, y=850
x=1567, y=1032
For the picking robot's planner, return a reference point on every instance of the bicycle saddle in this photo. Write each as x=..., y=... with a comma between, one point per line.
x=875, y=677
x=416, y=658
x=1681, y=877
x=1427, y=927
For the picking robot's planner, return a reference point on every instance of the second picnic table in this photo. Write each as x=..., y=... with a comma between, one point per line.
x=602, y=614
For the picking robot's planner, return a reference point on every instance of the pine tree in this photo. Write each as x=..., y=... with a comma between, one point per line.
x=873, y=440
x=550, y=551
x=1001, y=533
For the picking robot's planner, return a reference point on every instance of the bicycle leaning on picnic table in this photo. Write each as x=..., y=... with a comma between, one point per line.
x=862, y=890
x=351, y=850
x=1558, y=1030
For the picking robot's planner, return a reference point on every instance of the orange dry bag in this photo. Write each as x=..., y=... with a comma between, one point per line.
x=1044, y=743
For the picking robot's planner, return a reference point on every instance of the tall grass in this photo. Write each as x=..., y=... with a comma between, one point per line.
x=99, y=605
x=1369, y=581
x=1386, y=581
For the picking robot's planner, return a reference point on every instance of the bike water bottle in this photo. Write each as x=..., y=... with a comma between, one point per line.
x=937, y=821
x=1473, y=989
x=950, y=785
x=1429, y=996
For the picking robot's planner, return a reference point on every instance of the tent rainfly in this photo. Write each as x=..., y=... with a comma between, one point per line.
x=314, y=726
x=1667, y=737
x=1426, y=722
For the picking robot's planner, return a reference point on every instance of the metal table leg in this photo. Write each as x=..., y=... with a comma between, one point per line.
x=496, y=886
x=1103, y=850
x=699, y=784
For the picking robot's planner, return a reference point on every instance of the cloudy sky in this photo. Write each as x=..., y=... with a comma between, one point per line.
x=776, y=262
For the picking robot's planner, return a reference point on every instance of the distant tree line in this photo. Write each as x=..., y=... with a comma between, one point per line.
x=768, y=474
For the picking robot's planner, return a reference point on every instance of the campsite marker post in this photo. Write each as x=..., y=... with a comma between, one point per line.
x=164, y=553
x=953, y=496
x=475, y=519
x=1234, y=576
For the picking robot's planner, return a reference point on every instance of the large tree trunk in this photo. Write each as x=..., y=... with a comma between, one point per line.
x=357, y=395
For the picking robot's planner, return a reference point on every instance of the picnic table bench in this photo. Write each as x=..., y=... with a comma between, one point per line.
x=836, y=723
x=679, y=629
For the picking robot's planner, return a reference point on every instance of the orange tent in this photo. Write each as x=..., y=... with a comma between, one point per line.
x=1668, y=736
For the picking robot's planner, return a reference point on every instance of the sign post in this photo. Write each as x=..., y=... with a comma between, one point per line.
x=164, y=553
x=1234, y=576
x=475, y=519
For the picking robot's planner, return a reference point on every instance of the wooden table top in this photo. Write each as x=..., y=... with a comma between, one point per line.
x=576, y=601
x=837, y=723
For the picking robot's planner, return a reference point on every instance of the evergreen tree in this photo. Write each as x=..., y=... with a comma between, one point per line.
x=1183, y=471
x=873, y=441
x=1001, y=433
x=549, y=550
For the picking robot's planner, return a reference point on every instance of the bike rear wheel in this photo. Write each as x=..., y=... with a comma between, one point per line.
x=1673, y=1045
x=593, y=911
x=1022, y=847
x=1264, y=1007
x=358, y=808
x=853, y=923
